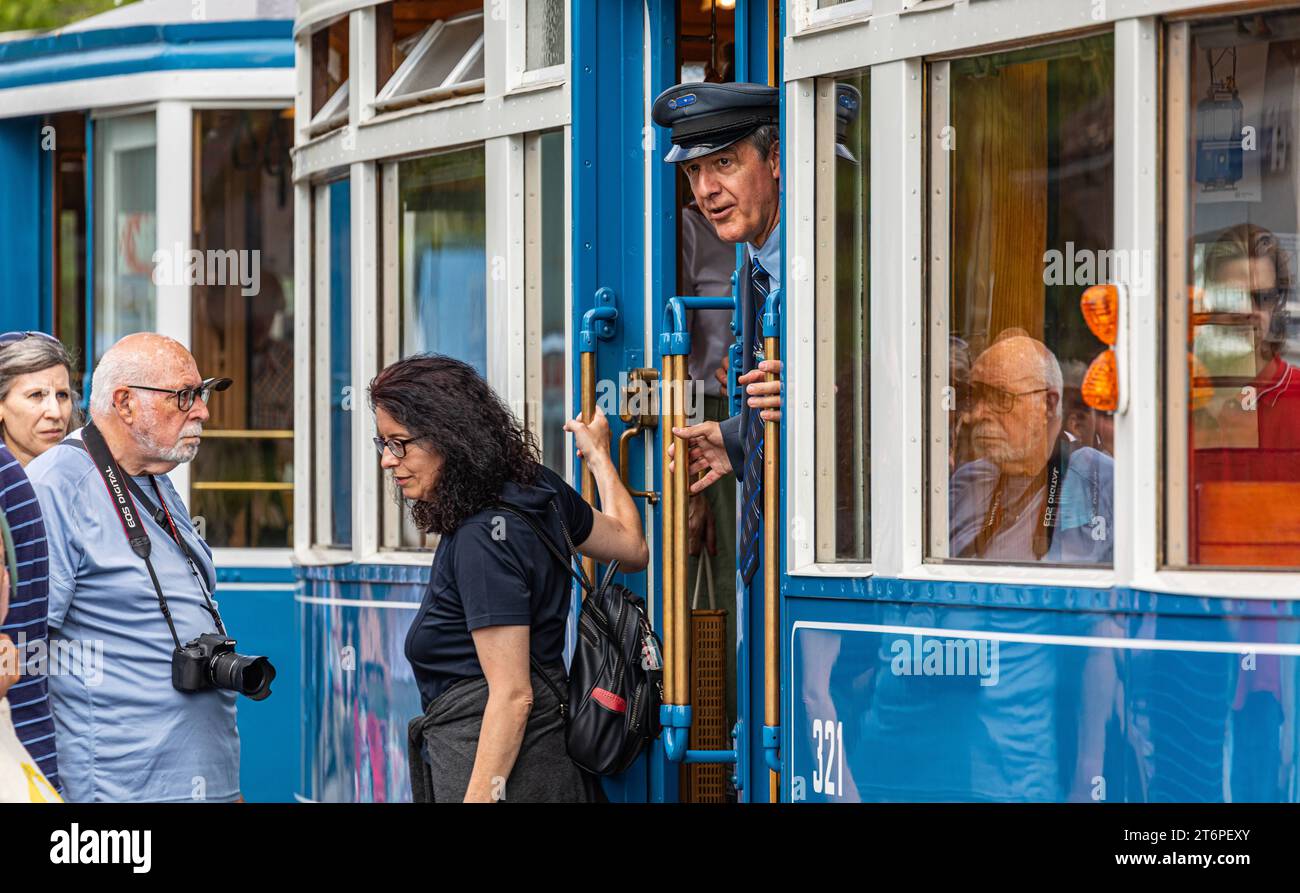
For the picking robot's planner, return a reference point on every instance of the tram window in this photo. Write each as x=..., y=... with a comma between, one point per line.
x=544, y=35
x=242, y=483
x=843, y=526
x=706, y=47
x=332, y=376
x=69, y=250
x=544, y=294
x=329, y=77
x=441, y=245
x=428, y=51
x=1233, y=481
x=1021, y=174
x=126, y=223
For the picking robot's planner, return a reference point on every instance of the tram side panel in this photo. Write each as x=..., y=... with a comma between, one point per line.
x=959, y=698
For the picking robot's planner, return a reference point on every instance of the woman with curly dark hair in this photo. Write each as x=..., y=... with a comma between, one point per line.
x=495, y=594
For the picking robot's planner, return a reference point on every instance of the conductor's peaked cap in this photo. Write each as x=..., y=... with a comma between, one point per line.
x=705, y=118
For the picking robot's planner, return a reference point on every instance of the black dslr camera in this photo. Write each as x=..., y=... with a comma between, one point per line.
x=210, y=661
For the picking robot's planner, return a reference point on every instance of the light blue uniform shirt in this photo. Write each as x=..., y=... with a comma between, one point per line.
x=124, y=734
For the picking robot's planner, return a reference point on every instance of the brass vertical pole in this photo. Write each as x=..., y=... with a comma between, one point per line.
x=588, y=413
x=681, y=473
x=667, y=550
x=771, y=576
x=773, y=39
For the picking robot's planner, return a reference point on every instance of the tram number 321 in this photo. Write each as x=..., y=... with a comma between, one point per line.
x=829, y=738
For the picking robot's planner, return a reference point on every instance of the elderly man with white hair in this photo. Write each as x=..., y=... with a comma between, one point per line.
x=1030, y=493
x=125, y=733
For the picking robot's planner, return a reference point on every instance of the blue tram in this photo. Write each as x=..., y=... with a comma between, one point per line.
x=1034, y=534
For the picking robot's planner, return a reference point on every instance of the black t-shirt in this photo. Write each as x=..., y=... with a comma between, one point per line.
x=493, y=571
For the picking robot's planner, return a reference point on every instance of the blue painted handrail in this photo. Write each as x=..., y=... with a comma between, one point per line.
x=676, y=722
x=598, y=322
x=675, y=338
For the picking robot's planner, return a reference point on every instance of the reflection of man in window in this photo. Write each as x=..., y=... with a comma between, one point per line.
x=1250, y=394
x=1029, y=494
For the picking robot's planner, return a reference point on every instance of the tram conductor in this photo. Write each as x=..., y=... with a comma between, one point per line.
x=726, y=140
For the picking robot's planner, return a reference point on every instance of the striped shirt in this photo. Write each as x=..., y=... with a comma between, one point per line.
x=26, y=622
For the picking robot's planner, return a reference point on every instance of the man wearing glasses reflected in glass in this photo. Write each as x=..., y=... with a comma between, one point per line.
x=1029, y=494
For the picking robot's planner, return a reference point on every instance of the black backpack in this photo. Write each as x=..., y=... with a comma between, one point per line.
x=611, y=711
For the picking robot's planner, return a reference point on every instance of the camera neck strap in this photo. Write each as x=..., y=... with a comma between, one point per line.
x=121, y=488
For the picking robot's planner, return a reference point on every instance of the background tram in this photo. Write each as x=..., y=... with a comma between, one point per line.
x=129, y=140
x=1036, y=536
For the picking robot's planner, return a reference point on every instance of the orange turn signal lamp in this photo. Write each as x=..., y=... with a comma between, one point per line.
x=1101, y=382
x=1100, y=308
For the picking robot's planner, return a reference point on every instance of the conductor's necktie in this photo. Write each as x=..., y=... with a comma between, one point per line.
x=751, y=493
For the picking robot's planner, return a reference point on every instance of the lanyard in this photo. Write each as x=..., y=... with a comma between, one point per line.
x=1052, y=479
x=163, y=518
x=121, y=496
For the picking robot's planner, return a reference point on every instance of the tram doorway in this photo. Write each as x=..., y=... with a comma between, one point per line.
x=64, y=135
x=706, y=51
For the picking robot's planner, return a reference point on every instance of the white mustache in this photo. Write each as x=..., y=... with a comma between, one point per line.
x=194, y=429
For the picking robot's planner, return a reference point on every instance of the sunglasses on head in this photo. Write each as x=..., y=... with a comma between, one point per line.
x=14, y=337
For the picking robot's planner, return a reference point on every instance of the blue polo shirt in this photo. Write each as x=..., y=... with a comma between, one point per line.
x=124, y=733
x=25, y=624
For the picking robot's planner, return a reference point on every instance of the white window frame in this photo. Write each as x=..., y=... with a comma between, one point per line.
x=518, y=75
x=369, y=148
x=898, y=273
x=389, y=99
x=320, y=295
x=173, y=312
x=320, y=124
x=1168, y=518
x=275, y=556
x=811, y=18
x=505, y=259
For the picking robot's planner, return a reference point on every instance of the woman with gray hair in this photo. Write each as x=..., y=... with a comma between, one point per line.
x=37, y=400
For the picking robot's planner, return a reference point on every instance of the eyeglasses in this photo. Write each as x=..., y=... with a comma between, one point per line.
x=998, y=400
x=185, y=397
x=396, y=446
x=14, y=337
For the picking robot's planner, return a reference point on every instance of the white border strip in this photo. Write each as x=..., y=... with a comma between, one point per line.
x=1277, y=648
x=256, y=587
x=225, y=85
x=353, y=602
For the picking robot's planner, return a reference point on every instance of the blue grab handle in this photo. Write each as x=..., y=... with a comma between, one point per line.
x=710, y=756
x=772, y=314
x=588, y=336
x=676, y=722
x=772, y=748
x=598, y=322
x=675, y=337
